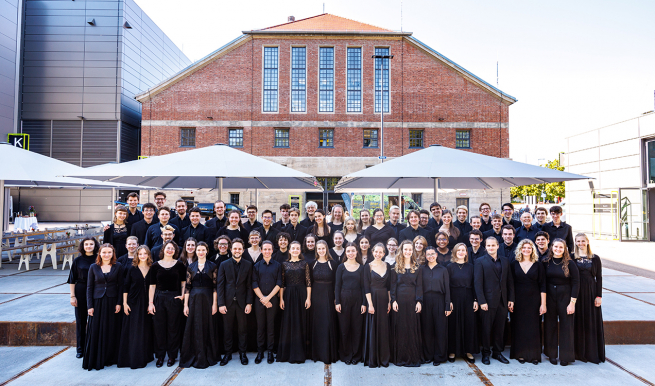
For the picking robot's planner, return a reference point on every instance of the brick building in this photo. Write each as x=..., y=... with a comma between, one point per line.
x=308, y=94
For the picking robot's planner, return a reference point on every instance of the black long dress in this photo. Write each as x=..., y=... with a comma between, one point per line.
x=434, y=323
x=526, y=321
x=377, y=349
x=136, y=346
x=200, y=341
x=323, y=318
x=406, y=290
x=293, y=332
x=101, y=347
x=349, y=293
x=78, y=275
x=589, y=333
x=559, y=291
x=462, y=322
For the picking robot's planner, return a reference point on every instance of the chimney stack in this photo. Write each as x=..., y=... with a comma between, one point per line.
x=291, y=18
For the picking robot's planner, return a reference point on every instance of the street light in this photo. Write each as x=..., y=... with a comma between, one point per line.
x=381, y=137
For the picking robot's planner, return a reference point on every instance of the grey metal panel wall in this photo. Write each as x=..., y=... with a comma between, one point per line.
x=130, y=142
x=39, y=132
x=98, y=142
x=9, y=36
x=66, y=204
x=66, y=139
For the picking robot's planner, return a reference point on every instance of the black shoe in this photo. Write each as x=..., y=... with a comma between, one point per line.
x=562, y=363
x=160, y=362
x=271, y=358
x=535, y=362
x=260, y=356
x=347, y=362
x=451, y=360
x=79, y=355
x=171, y=362
x=500, y=358
x=470, y=360
x=553, y=360
x=244, y=358
x=485, y=360
x=226, y=359
x=521, y=360
x=436, y=363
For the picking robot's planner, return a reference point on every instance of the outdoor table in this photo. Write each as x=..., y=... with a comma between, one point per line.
x=25, y=223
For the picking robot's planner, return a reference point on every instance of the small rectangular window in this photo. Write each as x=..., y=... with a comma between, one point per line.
x=281, y=137
x=234, y=198
x=326, y=138
x=236, y=137
x=370, y=137
x=381, y=80
x=188, y=137
x=298, y=79
x=416, y=138
x=326, y=80
x=354, y=90
x=463, y=139
x=270, y=79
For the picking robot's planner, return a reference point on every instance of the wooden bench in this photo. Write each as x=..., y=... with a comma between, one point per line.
x=46, y=250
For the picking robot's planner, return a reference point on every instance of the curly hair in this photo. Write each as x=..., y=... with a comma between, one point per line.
x=400, y=258
x=519, y=255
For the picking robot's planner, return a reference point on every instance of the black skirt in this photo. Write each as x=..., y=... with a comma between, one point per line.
x=136, y=346
x=462, y=323
x=407, y=330
x=323, y=320
x=589, y=334
x=293, y=332
x=200, y=344
x=103, y=329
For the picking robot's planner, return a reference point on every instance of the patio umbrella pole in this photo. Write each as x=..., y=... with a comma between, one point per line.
x=436, y=189
x=220, y=188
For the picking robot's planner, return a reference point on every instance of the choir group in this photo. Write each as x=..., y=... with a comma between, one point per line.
x=367, y=290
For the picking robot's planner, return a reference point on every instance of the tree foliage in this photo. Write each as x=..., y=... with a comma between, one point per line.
x=552, y=190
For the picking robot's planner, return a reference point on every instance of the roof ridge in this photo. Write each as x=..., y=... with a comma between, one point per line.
x=290, y=22
x=373, y=27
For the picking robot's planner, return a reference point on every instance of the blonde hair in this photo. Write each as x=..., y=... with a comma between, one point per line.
x=519, y=256
x=400, y=258
x=345, y=222
x=588, y=251
x=453, y=257
x=420, y=256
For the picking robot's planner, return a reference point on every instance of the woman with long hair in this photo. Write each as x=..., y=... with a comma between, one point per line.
x=135, y=349
x=379, y=231
x=233, y=229
x=188, y=255
x=116, y=233
x=350, y=303
x=295, y=300
x=436, y=308
x=449, y=228
x=462, y=322
x=104, y=292
x=200, y=340
x=308, y=247
x=336, y=252
x=321, y=229
x=377, y=348
x=530, y=303
x=420, y=246
x=365, y=250
x=350, y=230
x=77, y=279
x=562, y=287
x=364, y=221
x=406, y=302
x=589, y=333
x=322, y=314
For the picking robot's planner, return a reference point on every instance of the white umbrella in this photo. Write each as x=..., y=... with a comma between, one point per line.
x=218, y=166
x=439, y=167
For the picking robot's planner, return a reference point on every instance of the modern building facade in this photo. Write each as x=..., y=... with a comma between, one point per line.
x=619, y=203
x=308, y=94
x=80, y=65
x=10, y=32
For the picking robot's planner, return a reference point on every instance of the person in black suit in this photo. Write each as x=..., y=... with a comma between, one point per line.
x=134, y=215
x=308, y=222
x=394, y=220
x=266, y=283
x=182, y=219
x=267, y=231
x=251, y=224
x=235, y=296
x=216, y=223
x=296, y=231
x=527, y=230
x=476, y=250
x=414, y=229
x=558, y=229
x=140, y=228
x=495, y=292
x=508, y=213
x=196, y=230
x=507, y=248
x=284, y=220
x=496, y=229
x=435, y=221
x=461, y=222
x=485, y=217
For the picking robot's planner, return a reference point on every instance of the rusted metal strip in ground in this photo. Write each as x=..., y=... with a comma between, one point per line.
x=172, y=377
x=33, y=367
x=480, y=374
x=631, y=297
x=630, y=372
x=327, y=380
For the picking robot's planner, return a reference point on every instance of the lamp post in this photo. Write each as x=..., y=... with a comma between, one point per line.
x=381, y=137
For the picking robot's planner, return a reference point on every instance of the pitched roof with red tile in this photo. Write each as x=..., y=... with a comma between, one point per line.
x=325, y=23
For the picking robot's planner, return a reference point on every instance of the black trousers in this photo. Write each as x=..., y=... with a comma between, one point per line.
x=434, y=326
x=167, y=324
x=81, y=316
x=351, y=324
x=558, y=298
x=266, y=324
x=493, y=329
x=238, y=315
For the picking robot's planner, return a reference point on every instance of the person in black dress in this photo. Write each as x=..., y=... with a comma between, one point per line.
x=589, y=333
x=234, y=229
x=167, y=282
x=336, y=222
x=323, y=317
x=392, y=250
x=116, y=233
x=377, y=349
x=350, y=300
x=104, y=291
x=200, y=340
x=131, y=244
x=444, y=254
x=364, y=221
x=420, y=246
x=235, y=297
x=254, y=252
x=77, y=277
x=338, y=250
x=296, y=299
x=365, y=250
x=321, y=229
x=308, y=248
x=454, y=235
x=462, y=322
x=494, y=289
x=135, y=349
x=379, y=231
x=436, y=308
x=530, y=287
x=188, y=255
x=266, y=283
x=350, y=234
x=563, y=285
x=406, y=302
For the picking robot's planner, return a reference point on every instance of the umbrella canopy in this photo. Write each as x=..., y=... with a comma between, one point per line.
x=218, y=166
x=438, y=167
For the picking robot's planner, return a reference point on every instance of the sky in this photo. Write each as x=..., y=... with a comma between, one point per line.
x=574, y=66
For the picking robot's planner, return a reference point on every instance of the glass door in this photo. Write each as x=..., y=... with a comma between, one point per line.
x=633, y=214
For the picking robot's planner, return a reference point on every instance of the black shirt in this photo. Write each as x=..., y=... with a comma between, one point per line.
x=200, y=233
x=515, y=223
x=271, y=235
x=507, y=251
x=297, y=234
x=153, y=235
x=498, y=267
x=266, y=276
x=555, y=275
x=375, y=235
x=168, y=279
x=436, y=279
x=125, y=261
x=279, y=225
x=307, y=223
x=474, y=255
x=492, y=233
x=525, y=233
x=486, y=225
x=281, y=257
x=132, y=219
x=140, y=228
x=563, y=231
x=240, y=233
x=215, y=224
x=432, y=223
x=349, y=281
x=334, y=228
x=181, y=224
x=464, y=228
x=397, y=228
x=250, y=227
x=410, y=233
x=79, y=271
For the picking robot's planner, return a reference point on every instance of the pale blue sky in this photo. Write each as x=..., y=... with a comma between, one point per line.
x=573, y=65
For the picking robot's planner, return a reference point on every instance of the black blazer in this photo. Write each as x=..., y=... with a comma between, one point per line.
x=233, y=286
x=97, y=286
x=200, y=233
x=491, y=288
